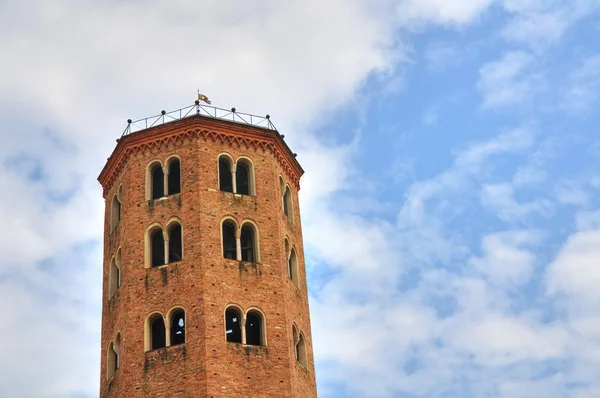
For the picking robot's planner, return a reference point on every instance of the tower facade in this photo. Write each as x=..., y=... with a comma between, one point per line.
x=204, y=284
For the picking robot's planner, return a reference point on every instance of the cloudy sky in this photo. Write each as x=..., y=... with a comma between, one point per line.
x=450, y=203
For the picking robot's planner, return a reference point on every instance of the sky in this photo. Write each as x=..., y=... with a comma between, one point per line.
x=450, y=203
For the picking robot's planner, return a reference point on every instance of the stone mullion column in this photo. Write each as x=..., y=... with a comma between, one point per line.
x=166, y=240
x=165, y=181
x=243, y=329
x=233, y=180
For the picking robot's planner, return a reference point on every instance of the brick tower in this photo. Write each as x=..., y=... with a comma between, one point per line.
x=204, y=285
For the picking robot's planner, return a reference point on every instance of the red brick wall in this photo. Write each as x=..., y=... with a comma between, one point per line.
x=204, y=283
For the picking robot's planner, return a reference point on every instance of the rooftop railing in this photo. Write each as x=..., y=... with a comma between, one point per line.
x=199, y=109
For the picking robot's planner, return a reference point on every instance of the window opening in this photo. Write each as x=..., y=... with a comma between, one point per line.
x=233, y=326
x=253, y=329
x=293, y=267
x=114, y=282
x=175, y=244
x=178, y=328
x=174, y=177
x=115, y=212
x=158, y=182
x=158, y=334
x=301, y=350
x=287, y=203
x=225, y=178
x=247, y=244
x=242, y=179
x=158, y=248
x=229, y=241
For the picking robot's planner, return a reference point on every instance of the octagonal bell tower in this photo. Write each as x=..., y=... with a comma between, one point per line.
x=204, y=284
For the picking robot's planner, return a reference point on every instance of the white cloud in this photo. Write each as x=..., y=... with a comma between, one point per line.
x=440, y=11
x=500, y=198
x=508, y=81
x=505, y=260
x=584, y=86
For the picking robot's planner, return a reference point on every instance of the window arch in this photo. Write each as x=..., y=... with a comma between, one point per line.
x=156, y=332
x=175, y=242
x=174, y=176
x=244, y=177
x=156, y=247
x=287, y=204
x=115, y=210
x=155, y=181
x=300, y=346
x=177, y=327
x=233, y=324
x=228, y=230
x=249, y=243
x=254, y=328
x=114, y=274
x=293, y=266
x=225, y=173
x=114, y=349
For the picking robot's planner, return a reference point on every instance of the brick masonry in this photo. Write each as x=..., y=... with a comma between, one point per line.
x=203, y=282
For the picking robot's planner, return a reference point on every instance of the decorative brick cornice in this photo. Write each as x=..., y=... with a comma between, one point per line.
x=199, y=127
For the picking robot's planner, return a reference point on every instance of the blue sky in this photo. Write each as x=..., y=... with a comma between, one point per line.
x=450, y=203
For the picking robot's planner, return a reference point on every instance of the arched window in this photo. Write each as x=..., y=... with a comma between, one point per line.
x=175, y=243
x=157, y=332
x=178, y=327
x=157, y=248
x=229, y=240
x=115, y=210
x=114, y=275
x=293, y=267
x=157, y=184
x=301, y=350
x=287, y=203
x=233, y=325
x=244, y=177
x=254, y=328
x=248, y=243
x=114, y=349
x=225, y=176
x=174, y=180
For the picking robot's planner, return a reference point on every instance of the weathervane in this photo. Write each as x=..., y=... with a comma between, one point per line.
x=202, y=97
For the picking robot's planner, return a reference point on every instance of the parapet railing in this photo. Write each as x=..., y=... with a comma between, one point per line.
x=199, y=109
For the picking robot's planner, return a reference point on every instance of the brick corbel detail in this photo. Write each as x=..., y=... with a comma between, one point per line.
x=180, y=137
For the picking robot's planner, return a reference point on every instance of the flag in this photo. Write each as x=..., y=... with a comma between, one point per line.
x=202, y=97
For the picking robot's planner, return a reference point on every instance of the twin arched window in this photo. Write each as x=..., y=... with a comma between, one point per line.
x=299, y=346
x=164, y=247
x=114, y=274
x=160, y=334
x=247, y=330
x=236, y=177
x=240, y=244
x=114, y=350
x=163, y=181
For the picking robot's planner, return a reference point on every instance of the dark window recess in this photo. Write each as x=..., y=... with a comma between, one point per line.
x=158, y=182
x=242, y=179
x=233, y=326
x=118, y=210
x=178, y=328
x=247, y=244
x=116, y=361
x=286, y=209
x=229, y=246
x=225, y=180
x=174, y=177
x=158, y=337
x=253, y=329
x=158, y=248
x=175, y=244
